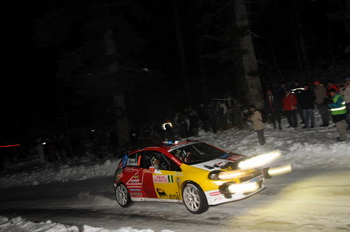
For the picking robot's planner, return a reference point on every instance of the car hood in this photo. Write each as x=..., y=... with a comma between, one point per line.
x=229, y=163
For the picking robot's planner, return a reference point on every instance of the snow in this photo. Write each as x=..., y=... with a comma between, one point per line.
x=314, y=148
x=20, y=224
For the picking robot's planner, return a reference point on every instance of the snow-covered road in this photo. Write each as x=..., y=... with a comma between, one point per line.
x=79, y=192
x=306, y=200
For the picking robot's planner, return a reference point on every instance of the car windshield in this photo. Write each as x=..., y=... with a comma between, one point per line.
x=197, y=153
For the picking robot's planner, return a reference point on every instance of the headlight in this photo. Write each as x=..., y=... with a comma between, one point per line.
x=222, y=175
x=243, y=188
x=214, y=175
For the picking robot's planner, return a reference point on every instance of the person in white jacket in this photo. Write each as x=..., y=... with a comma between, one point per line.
x=258, y=124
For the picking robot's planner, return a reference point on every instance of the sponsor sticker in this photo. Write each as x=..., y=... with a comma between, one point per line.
x=216, y=193
x=163, y=179
x=137, y=194
x=135, y=190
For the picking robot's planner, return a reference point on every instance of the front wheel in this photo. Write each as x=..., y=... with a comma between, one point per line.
x=122, y=195
x=194, y=199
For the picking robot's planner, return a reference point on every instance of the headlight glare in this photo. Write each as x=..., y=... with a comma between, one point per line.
x=231, y=174
x=244, y=188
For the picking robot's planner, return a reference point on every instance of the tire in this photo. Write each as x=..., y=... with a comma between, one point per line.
x=194, y=199
x=122, y=195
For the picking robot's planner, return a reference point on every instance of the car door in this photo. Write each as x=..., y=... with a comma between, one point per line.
x=132, y=175
x=160, y=182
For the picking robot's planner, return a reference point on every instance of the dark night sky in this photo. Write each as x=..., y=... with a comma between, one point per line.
x=29, y=85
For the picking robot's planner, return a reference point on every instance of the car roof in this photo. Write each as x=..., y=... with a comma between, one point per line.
x=170, y=145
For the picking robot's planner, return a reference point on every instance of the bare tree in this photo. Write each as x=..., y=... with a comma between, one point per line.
x=248, y=76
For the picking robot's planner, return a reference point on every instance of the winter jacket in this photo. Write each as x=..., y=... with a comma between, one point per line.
x=222, y=109
x=320, y=93
x=338, y=105
x=273, y=105
x=346, y=93
x=290, y=102
x=307, y=99
x=257, y=121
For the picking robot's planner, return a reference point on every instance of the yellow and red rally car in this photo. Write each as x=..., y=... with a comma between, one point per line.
x=193, y=172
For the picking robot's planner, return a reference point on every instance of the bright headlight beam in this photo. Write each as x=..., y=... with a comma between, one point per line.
x=243, y=188
x=230, y=174
x=280, y=170
x=259, y=160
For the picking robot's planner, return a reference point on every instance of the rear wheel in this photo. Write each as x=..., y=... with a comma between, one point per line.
x=194, y=199
x=122, y=195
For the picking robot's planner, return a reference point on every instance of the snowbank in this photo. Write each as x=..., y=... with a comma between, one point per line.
x=302, y=148
x=20, y=224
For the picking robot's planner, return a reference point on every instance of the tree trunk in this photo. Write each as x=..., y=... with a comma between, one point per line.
x=184, y=71
x=122, y=121
x=300, y=45
x=347, y=17
x=248, y=77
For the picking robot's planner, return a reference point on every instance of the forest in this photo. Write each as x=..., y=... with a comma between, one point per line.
x=80, y=64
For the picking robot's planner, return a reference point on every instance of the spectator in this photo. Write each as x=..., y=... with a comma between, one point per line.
x=213, y=114
x=237, y=115
x=229, y=103
x=345, y=91
x=258, y=124
x=40, y=149
x=203, y=117
x=282, y=89
x=307, y=101
x=222, y=115
x=194, y=123
x=183, y=125
x=297, y=89
x=50, y=150
x=273, y=109
x=331, y=85
x=167, y=133
x=290, y=104
x=77, y=147
x=134, y=138
x=320, y=94
x=338, y=112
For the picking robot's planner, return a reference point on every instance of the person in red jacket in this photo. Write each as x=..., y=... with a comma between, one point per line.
x=331, y=85
x=290, y=108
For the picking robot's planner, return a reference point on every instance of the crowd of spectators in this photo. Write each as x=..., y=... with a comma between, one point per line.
x=291, y=100
x=294, y=101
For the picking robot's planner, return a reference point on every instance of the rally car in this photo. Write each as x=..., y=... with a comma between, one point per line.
x=190, y=172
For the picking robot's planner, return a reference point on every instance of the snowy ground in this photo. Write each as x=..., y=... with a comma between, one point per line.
x=314, y=148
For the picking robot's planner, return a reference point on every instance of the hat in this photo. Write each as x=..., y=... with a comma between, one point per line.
x=332, y=90
x=317, y=83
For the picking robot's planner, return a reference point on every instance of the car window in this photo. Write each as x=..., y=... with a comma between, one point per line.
x=197, y=153
x=159, y=161
x=133, y=160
